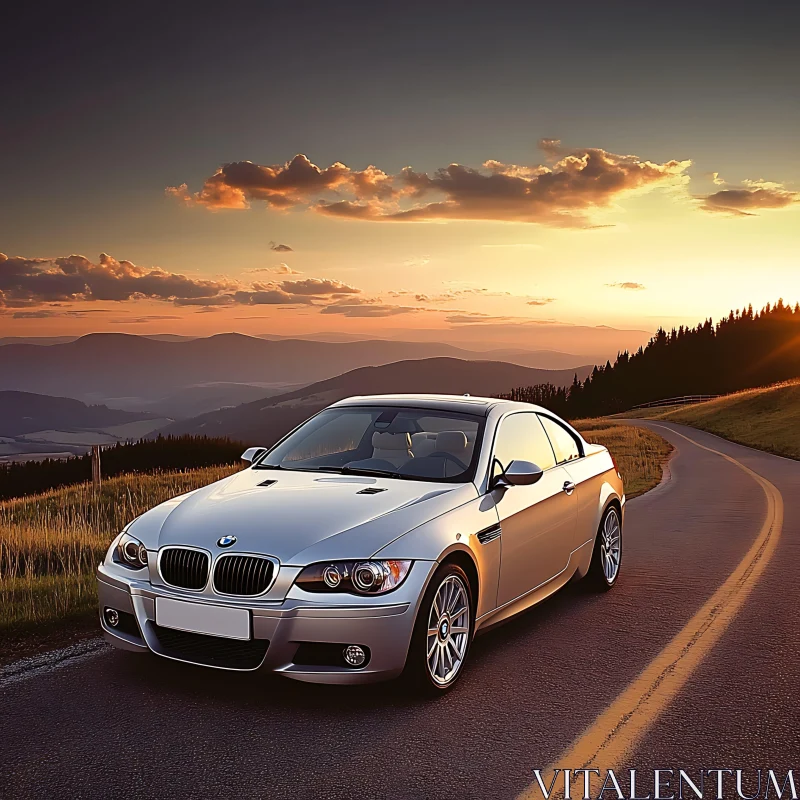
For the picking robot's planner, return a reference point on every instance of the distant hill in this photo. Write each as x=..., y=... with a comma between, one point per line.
x=194, y=400
x=98, y=367
x=264, y=421
x=23, y=413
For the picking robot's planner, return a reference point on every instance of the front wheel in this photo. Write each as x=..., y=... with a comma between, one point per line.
x=607, y=555
x=442, y=633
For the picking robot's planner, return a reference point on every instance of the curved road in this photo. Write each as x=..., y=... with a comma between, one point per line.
x=536, y=689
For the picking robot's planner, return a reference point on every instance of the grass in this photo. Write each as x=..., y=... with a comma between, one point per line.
x=640, y=454
x=767, y=418
x=50, y=544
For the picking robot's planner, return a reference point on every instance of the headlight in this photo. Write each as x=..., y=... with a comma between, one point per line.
x=354, y=577
x=131, y=552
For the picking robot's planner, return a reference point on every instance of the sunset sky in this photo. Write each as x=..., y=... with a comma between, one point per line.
x=376, y=168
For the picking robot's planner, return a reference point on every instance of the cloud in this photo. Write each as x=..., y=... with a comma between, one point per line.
x=142, y=319
x=448, y=296
x=541, y=301
x=627, y=285
x=417, y=261
x=318, y=286
x=28, y=282
x=41, y=314
x=46, y=313
x=562, y=194
x=472, y=317
x=278, y=269
x=754, y=195
x=367, y=307
x=280, y=248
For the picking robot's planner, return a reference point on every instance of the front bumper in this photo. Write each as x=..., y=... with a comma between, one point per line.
x=383, y=624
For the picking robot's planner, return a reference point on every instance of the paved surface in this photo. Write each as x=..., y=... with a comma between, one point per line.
x=114, y=724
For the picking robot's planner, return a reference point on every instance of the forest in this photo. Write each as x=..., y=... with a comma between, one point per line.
x=743, y=350
x=164, y=453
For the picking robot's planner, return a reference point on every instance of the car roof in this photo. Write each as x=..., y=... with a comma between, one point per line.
x=441, y=402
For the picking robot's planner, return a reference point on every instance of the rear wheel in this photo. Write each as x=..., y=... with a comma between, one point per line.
x=442, y=633
x=607, y=555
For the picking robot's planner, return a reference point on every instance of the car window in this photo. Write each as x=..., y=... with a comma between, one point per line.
x=417, y=444
x=336, y=433
x=521, y=438
x=564, y=444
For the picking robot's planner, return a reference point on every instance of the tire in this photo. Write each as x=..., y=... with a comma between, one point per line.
x=432, y=676
x=604, y=573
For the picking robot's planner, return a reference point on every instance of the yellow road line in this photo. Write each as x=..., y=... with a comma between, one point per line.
x=614, y=734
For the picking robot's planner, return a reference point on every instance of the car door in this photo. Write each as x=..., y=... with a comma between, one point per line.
x=537, y=521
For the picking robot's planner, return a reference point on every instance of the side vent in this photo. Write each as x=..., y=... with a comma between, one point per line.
x=267, y=483
x=489, y=534
x=372, y=490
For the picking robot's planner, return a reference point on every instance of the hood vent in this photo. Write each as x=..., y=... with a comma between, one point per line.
x=267, y=483
x=372, y=490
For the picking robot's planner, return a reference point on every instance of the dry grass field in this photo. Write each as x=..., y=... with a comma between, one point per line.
x=51, y=543
x=640, y=454
x=767, y=418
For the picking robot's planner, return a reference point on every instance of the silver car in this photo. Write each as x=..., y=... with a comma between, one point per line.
x=372, y=541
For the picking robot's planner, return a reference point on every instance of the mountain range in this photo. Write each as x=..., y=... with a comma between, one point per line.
x=181, y=377
x=264, y=421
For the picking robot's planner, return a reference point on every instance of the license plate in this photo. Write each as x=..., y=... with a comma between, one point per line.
x=232, y=623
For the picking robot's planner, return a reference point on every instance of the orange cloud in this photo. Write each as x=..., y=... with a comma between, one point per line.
x=755, y=195
x=562, y=194
x=28, y=282
x=627, y=285
x=278, y=269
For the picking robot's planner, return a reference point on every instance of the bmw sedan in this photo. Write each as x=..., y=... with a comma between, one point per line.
x=373, y=541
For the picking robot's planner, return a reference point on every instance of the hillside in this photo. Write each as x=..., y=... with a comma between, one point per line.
x=744, y=350
x=24, y=413
x=766, y=418
x=102, y=366
x=264, y=421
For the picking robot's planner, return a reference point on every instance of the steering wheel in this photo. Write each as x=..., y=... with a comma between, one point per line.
x=449, y=457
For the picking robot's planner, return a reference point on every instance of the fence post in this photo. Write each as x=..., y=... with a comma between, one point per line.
x=96, y=467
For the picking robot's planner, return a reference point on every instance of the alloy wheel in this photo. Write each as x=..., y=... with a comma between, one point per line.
x=611, y=546
x=448, y=630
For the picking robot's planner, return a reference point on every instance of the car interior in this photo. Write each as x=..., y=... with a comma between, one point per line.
x=417, y=444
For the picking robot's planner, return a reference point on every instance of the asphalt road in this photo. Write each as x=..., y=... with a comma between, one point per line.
x=116, y=724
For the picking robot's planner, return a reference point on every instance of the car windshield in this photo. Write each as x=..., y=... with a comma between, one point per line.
x=410, y=443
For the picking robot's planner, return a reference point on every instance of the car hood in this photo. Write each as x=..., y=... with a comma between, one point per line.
x=299, y=517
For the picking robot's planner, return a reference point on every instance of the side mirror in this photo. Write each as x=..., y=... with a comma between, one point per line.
x=253, y=453
x=520, y=473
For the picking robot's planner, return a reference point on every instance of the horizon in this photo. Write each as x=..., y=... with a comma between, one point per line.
x=477, y=190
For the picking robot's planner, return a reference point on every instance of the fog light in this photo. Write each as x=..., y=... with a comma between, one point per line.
x=112, y=617
x=354, y=655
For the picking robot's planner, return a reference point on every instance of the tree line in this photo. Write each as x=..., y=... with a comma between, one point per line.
x=744, y=350
x=163, y=453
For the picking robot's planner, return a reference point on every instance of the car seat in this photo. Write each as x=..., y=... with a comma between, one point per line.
x=392, y=447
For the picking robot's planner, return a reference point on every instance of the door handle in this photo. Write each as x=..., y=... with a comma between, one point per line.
x=569, y=487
